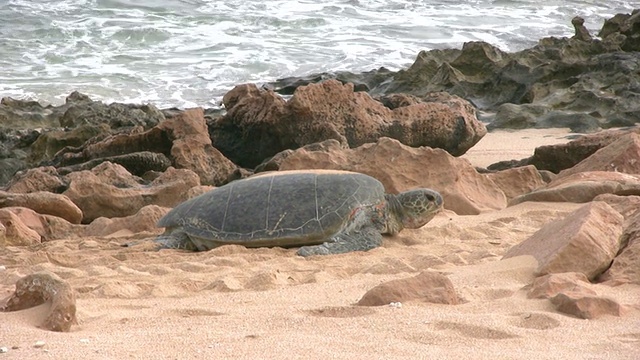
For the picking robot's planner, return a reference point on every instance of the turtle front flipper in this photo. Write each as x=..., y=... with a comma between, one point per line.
x=362, y=240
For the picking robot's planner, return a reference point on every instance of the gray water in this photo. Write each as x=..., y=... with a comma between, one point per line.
x=189, y=53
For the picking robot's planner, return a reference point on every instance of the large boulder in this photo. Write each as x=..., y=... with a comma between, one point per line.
x=399, y=168
x=99, y=198
x=44, y=202
x=260, y=124
x=586, y=241
x=192, y=149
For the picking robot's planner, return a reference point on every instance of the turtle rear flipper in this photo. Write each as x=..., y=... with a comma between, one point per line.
x=361, y=240
x=177, y=239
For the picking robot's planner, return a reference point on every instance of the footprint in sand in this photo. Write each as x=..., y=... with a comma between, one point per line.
x=629, y=337
x=194, y=312
x=341, y=311
x=535, y=321
x=474, y=331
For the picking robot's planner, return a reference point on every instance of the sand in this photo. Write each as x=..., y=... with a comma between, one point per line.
x=237, y=303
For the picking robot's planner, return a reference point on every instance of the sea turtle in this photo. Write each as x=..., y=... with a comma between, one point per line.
x=325, y=212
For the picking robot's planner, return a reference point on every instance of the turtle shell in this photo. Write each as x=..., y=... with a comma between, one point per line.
x=285, y=208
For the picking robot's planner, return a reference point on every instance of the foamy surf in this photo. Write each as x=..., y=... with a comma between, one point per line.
x=189, y=53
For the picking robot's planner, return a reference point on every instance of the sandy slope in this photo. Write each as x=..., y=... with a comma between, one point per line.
x=269, y=304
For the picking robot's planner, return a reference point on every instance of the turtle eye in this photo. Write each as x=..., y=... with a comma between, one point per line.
x=430, y=197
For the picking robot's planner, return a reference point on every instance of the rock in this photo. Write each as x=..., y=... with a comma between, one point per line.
x=331, y=110
x=137, y=163
x=39, y=288
x=44, y=202
x=585, y=306
x=50, y=142
x=82, y=110
x=30, y=219
x=36, y=179
x=115, y=146
x=583, y=187
x=401, y=168
x=623, y=155
x=14, y=232
x=626, y=205
x=25, y=114
x=517, y=181
x=558, y=157
x=428, y=287
x=116, y=175
x=585, y=241
x=192, y=148
x=581, y=31
x=626, y=266
x=99, y=198
x=144, y=220
x=626, y=27
x=49, y=227
x=548, y=286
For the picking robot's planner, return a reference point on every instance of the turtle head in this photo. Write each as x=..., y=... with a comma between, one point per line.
x=414, y=208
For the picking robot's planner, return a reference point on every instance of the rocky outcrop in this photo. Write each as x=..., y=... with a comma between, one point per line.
x=428, y=287
x=585, y=241
x=260, y=124
x=580, y=82
x=401, y=168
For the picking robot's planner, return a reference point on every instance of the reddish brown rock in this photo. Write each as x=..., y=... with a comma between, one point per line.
x=517, y=181
x=583, y=187
x=144, y=220
x=584, y=241
x=550, y=285
x=34, y=180
x=558, y=157
x=586, y=306
x=39, y=288
x=622, y=155
x=626, y=266
x=400, y=167
x=116, y=175
x=49, y=227
x=99, y=199
x=626, y=205
x=259, y=124
x=192, y=148
x=44, y=202
x=428, y=287
x=14, y=232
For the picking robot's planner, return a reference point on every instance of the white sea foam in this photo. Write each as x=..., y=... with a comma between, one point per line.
x=189, y=53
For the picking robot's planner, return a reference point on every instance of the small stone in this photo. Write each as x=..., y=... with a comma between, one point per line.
x=3, y=268
x=39, y=344
x=4, y=349
x=84, y=341
x=395, y=304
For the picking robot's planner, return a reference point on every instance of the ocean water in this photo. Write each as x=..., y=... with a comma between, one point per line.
x=187, y=53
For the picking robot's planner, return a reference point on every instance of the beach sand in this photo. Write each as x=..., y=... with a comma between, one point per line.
x=238, y=303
